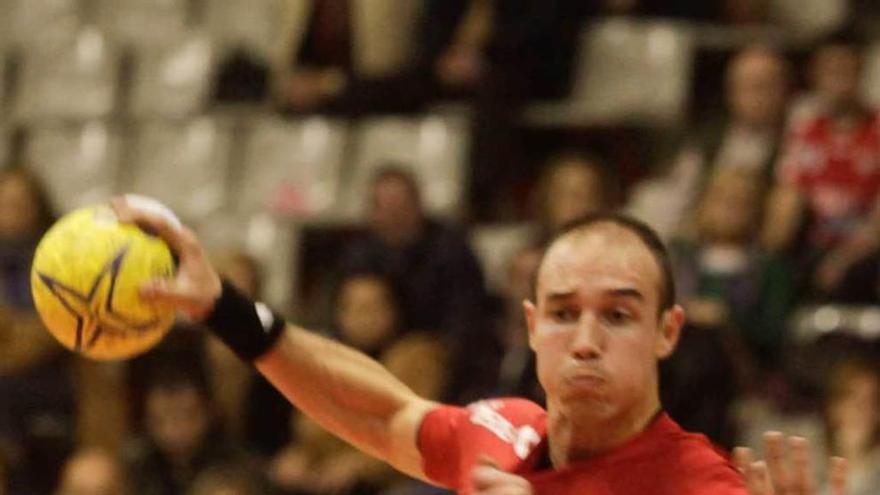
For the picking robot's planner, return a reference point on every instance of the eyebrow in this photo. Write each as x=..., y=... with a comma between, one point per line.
x=627, y=292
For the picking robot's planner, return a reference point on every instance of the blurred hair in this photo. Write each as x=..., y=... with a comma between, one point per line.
x=585, y=161
x=846, y=37
x=46, y=215
x=392, y=171
x=391, y=287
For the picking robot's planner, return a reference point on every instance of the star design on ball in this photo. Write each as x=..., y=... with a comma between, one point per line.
x=95, y=314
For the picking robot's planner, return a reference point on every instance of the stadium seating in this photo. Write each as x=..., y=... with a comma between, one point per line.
x=72, y=81
x=172, y=79
x=495, y=245
x=30, y=23
x=80, y=163
x=435, y=147
x=183, y=164
x=141, y=23
x=628, y=71
x=291, y=167
x=243, y=24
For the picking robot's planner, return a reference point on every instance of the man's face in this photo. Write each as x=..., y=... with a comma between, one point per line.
x=595, y=328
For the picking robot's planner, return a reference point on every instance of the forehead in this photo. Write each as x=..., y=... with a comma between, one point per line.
x=601, y=258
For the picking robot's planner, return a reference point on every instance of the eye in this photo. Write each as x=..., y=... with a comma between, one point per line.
x=564, y=315
x=617, y=316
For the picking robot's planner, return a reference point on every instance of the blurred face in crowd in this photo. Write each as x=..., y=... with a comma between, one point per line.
x=395, y=213
x=597, y=330
x=574, y=188
x=853, y=410
x=730, y=207
x=92, y=472
x=177, y=420
x=757, y=86
x=366, y=313
x=19, y=207
x=837, y=73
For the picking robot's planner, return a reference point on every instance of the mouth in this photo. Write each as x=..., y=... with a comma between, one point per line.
x=585, y=383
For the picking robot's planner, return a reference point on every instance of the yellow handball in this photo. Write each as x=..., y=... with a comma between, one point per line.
x=85, y=280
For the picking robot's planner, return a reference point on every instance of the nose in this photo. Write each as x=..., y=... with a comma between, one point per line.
x=589, y=339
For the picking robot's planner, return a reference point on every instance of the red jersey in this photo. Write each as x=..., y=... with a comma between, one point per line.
x=837, y=172
x=662, y=460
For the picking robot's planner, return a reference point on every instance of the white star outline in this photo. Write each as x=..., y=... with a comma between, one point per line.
x=96, y=315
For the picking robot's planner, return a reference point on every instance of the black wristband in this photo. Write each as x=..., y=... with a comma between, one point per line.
x=249, y=328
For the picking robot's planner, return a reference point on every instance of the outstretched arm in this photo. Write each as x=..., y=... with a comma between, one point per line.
x=345, y=391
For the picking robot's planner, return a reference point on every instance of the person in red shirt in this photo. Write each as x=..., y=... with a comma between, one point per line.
x=604, y=316
x=829, y=178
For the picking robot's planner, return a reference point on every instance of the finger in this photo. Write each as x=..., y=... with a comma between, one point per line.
x=801, y=470
x=837, y=476
x=486, y=460
x=151, y=221
x=774, y=451
x=742, y=457
x=758, y=479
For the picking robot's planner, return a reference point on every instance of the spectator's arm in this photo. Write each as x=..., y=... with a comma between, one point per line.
x=785, y=214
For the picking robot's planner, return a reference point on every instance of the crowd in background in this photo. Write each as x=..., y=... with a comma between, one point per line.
x=769, y=202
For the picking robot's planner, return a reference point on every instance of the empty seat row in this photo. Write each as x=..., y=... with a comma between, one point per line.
x=307, y=168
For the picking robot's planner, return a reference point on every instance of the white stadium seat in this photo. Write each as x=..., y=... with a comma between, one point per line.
x=248, y=24
x=627, y=71
x=79, y=163
x=434, y=147
x=143, y=22
x=172, y=79
x=75, y=81
x=183, y=164
x=292, y=166
x=30, y=23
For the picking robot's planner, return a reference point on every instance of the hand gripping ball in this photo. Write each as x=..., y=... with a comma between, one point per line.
x=85, y=280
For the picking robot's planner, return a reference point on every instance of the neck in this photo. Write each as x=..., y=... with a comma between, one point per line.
x=577, y=437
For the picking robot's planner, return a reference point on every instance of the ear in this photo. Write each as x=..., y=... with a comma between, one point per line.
x=669, y=332
x=531, y=313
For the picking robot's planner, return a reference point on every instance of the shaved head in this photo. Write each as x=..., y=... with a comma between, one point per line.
x=616, y=228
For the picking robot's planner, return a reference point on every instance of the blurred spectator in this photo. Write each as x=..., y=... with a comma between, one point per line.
x=252, y=410
x=231, y=379
x=93, y=472
x=516, y=374
x=748, y=136
x=36, y=390
x=828, y=182
x=181, y=435
x=231, y=479
x=852, y=416
x=347, y=55
x=437, y=274
x=367, y=313
x=724, y=277
x=736, y=298
x=572, y=185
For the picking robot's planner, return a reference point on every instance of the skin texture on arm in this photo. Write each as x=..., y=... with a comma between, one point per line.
x=784, y=217
x=350, y=395
x=343, y=390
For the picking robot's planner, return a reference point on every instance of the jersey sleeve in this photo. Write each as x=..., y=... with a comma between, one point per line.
x=439, y=444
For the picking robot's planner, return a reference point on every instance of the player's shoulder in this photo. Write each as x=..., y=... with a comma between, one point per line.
x=705, y=466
